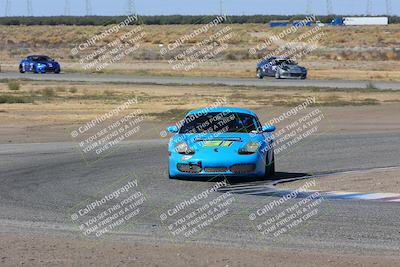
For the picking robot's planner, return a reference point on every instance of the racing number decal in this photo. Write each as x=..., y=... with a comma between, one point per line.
x=227, y=143
x=217, y=143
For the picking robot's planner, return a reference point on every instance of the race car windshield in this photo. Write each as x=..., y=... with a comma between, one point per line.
x=286, y=62
x=41, y=59
x=215, y=122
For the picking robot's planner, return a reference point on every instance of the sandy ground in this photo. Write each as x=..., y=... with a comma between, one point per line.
x=338, y=120
x=39, y=250
x=386, y=180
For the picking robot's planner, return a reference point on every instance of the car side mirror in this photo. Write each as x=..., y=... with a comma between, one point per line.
x=268, y=128
x=172, y=129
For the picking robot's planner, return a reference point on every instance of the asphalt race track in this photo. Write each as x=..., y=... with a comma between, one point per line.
x=40, y=183
x=74, y=77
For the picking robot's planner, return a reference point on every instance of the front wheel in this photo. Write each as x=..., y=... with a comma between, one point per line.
x=277, y=75
x=21, y=69
x=259, y=74
x=270, y=168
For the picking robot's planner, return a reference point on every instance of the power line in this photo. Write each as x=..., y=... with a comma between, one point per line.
x=221, y=7
x=29, y=8
x=309, y=9
x=388, y=7
x=67, y=8
x=88, y=8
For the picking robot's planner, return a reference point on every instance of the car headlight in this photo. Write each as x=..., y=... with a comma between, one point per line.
x=183, y=148
x=249, y=148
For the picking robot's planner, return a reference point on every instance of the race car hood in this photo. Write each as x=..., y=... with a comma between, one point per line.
x=292, y=68
x=225, y=141
x=47, y=63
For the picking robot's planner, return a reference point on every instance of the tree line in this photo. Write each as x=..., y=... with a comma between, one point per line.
x=155, y=20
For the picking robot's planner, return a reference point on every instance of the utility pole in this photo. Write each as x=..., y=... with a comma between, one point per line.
x=88, y=8
x=329, y=7
x=221, y=7
x=309, y=9
x=67, y=8
x=369, y=7
x=29, y=8
x=7, y=10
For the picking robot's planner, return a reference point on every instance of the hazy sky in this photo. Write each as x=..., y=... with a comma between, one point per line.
x=199, y=7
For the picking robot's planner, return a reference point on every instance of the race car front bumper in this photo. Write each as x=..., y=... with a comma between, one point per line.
x=238, y=165
x=289, y=75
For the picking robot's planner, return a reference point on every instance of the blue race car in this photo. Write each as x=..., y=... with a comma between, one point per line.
x=39, y=64
x=221, y=141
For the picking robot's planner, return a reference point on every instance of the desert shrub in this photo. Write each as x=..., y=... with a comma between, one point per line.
x=13, y=85
x=10, y=99
x=392, y=55
x=48, y=92
x=107, y=93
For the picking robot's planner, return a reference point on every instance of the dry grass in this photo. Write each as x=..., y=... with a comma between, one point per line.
x=339, y=43
x=367, y=53
x=57, y=103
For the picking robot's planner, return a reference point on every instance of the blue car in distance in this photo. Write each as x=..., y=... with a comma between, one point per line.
x=221, y=141
x=39, y=64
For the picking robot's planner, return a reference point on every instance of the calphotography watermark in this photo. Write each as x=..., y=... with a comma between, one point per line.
x=294, y=126
x=103, y=134
x=281, y=215
x=219, y=102
x=99, y=37
x=98, y=52
x=297, y=47
x=195, y=214
x=109, y=210
x=184, y=54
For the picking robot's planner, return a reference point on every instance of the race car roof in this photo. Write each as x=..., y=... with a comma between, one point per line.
x=221, y=109
x=38, y=56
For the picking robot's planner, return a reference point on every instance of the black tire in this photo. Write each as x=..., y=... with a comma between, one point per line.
x=57, y=71
x=270, y=168
x=259, y=74
x=169, y=174
x=304, y=77
x=21, y=69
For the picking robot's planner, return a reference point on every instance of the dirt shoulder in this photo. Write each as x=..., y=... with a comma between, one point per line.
x=338, y=120
x=383, y=180
x=41, y=250
x=48, y=111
